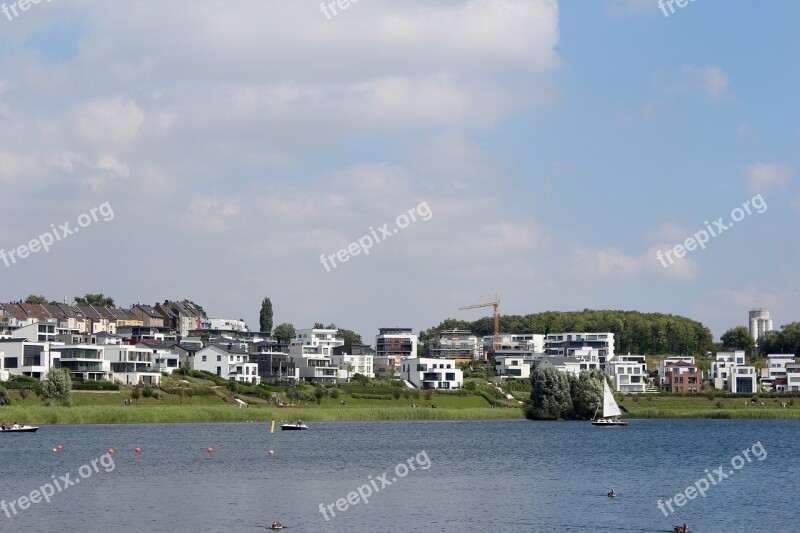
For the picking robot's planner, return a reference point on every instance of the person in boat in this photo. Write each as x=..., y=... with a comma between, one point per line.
x=612, y=494
x=15, y=426
x=276, y=525
x=682, y=529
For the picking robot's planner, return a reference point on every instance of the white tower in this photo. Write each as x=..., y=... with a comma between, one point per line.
x=760, y=322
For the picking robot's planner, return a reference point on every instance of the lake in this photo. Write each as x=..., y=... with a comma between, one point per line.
x=503, y=476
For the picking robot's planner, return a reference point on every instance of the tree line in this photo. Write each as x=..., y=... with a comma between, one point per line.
x=634, y=332
x=558, y=395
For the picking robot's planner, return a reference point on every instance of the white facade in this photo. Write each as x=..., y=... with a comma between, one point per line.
x=35, y=359
x=568, y=365
x=627, y=373
x=793, y=377
x=456, y=344
x=775, y=369
x=84, y=361
x=722, y=367
x=567, y=344
x=524, y=341
x=743, y=379
x=664, y=364
x=431, y=373
x=3, y=372
x=513, y=365
x=315, y=368
x=227, y=363
x=131, y=365
x=227, y=324
x=349, y=365
x=387, y=366
x=313, y=342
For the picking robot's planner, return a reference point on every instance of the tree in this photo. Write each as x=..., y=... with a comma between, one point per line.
x=739, y=338
x=550, y=397
x=587, y=393
x=56, y=388
x=4, y=399
x=349, y=337
x=284, y=332
x=265, y=318
x=318, y=325
x=97, y=300
x=35, y=299
x=198, y=307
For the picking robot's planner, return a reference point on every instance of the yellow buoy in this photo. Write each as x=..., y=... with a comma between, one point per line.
x=272, y=427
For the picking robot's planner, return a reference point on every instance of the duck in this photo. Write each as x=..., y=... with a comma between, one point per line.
x=612, y=494
x=682, y=529
x=276, y=525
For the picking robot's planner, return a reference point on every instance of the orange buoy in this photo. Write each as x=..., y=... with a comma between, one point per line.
x=210, y=450
x=111, y=451
x=137, y=450
x=59, y=447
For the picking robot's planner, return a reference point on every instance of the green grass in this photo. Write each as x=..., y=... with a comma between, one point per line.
x=224, y=413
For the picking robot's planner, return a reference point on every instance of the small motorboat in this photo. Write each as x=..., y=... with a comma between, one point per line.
x=293, y=426
x=276, y=526
x=18, y=429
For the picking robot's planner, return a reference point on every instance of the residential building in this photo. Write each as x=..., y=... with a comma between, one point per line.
x=627, y=373
x=275, y=367
x=387, y=366
x=793, y=377
x=773, y=375
x=227, y=324
x=315, y=368
x=227, y=362
x=315, y=341
x=28, y=358
x=743, y=379
x=432, y=373
x=396, y=341
x=181, y=317
x=353, y=359
x=455, y=344
x=721, y=368
x=513, y=363
x=515, y=341
x=132, y=365
x=164, y=360
x=149, y=316
x=680, y=375
x=566, y=344
x=568, y=365
x=84, y=361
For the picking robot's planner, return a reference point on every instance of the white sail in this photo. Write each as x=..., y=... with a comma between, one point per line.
x=610, y=407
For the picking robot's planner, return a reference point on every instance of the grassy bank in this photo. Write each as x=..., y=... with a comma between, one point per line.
x=701, y=406
x=109, y=414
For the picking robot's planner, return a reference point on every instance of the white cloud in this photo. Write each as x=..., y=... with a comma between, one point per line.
x=763, y=177
x=114, y=121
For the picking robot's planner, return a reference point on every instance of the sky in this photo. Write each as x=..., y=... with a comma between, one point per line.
x=388, y=163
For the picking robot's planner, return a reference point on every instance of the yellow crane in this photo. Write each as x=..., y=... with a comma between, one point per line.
x=496, y=305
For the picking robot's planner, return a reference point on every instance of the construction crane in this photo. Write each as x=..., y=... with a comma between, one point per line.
x=496, y=305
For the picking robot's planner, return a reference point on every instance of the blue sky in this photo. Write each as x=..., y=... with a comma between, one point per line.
x=559, y=146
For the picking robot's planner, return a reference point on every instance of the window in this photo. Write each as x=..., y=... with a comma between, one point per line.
x=204, y=358
x=219, y=358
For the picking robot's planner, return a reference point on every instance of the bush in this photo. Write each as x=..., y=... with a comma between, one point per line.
x=334, y=393
x=4, y=399
x=56, y=388
x=397, y=393
x=416, y=394
x=91, y=384
x=147, y=391
x=428, y=394
x=135, y=393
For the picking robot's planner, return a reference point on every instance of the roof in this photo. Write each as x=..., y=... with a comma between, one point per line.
x=561, y=360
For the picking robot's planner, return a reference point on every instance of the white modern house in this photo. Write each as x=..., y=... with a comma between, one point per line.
x=321, y=340
x=315, y=368
x=773, y=375
x=666, y=365
x=84, y=361
x=432, y=373
x=568, y=365
x=793, y=377
x=349, y=365
x=513, y=364
x=227, y=362
x=227, y=324
x=386, y=366
x=3, y=372
x=29, y=358
x=729, y=372
x=515, y=341
x=132, y=365
x=627, y=373
x=566, y=344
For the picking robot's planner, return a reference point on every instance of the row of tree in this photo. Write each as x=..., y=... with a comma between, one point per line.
x=634, y=332
x=561, y=396
x=98, y=300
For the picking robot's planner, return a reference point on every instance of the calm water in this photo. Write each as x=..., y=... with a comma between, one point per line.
x=503, y=476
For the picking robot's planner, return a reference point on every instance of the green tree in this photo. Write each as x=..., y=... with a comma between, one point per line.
x=265, y=318
x=97, y=300
x=738, y=338
x=284, y=332
x=4, y=399
x=349, y=337
x=550, y=395
x=35, y=299
x=320, y=325
x=587, y=393
x=56, y=388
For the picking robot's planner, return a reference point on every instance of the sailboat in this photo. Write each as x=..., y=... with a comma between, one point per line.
x=611, y=410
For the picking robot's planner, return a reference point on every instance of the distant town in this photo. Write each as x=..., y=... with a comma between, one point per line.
x=137, y=345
